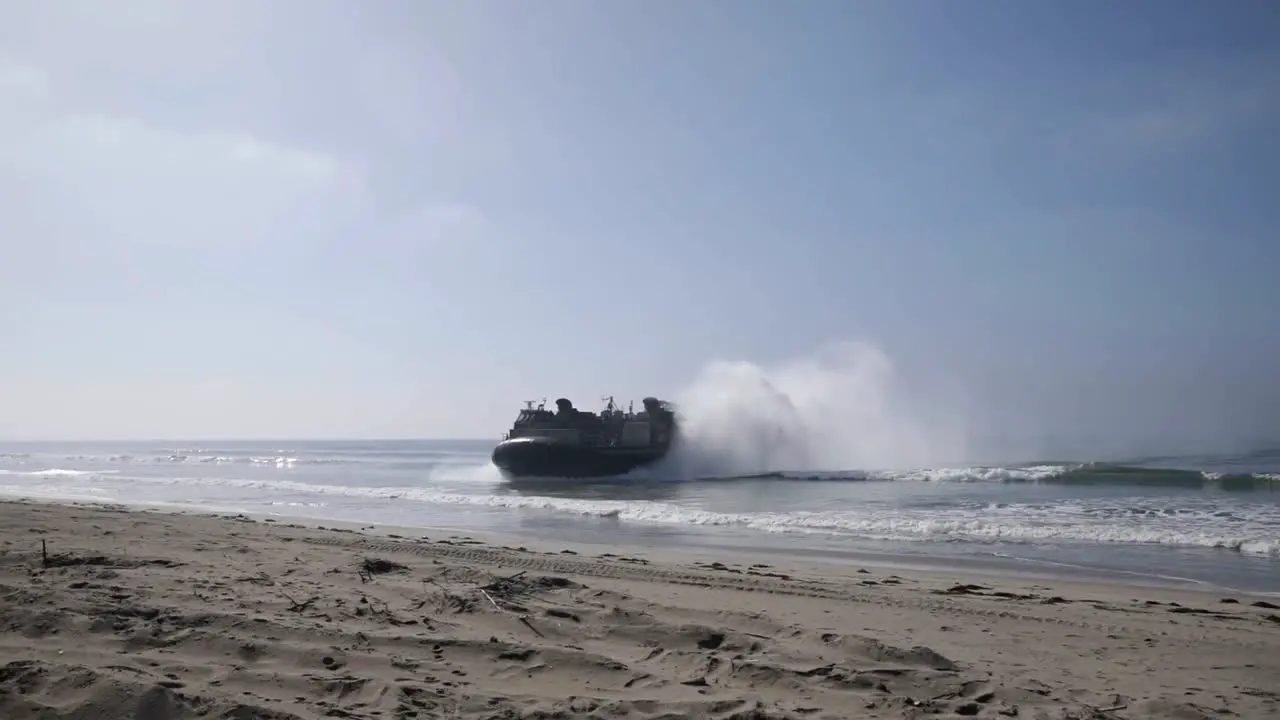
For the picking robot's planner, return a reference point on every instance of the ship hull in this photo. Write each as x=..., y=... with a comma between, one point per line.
x=542, y=457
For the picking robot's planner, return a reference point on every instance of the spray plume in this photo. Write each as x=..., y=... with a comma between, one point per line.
x=842, y=408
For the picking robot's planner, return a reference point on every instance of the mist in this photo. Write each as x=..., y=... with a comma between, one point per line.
x=844, y=406
x=851, y=406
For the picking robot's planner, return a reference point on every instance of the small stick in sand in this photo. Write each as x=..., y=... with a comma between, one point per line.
x=490, y=599
x=529, y=625
x=299, y=606
x=44, y=553
x=523, y=618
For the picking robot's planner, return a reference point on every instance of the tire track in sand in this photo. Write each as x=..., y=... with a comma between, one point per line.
x=612, y=569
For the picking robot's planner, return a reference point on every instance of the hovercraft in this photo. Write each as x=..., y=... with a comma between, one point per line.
x=570, y=443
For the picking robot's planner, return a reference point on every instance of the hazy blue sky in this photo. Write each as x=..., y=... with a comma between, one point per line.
x=401, y=218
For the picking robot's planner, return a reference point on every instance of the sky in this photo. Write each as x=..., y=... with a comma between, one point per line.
x=1057, y=221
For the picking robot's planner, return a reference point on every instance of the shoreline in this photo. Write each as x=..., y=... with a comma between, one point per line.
x=161, y=614
x=788, y=550
x=922, y=563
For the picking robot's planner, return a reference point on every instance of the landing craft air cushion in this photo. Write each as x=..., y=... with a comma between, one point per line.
x=571, y=443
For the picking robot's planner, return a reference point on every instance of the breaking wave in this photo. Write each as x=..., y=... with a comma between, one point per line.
x=1048, y=474
x=1083, y=474
x=1191, y=522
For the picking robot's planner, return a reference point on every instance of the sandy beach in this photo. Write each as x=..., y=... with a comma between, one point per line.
x=110, y=613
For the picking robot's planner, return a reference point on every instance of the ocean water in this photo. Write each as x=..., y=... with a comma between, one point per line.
x=1209, y=519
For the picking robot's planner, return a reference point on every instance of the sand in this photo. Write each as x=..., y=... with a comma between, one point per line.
x=151, y=615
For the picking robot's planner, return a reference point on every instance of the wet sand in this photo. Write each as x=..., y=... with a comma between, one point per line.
x=151, y=615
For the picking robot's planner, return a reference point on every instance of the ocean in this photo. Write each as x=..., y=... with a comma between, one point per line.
x=1208, y=520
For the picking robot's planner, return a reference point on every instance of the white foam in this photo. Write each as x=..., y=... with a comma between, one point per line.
x=57, y=472
x=1193, y=523
x=977, y=474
